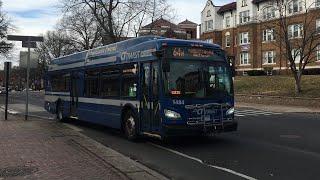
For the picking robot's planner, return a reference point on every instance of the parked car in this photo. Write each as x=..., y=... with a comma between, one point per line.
x=2, y=90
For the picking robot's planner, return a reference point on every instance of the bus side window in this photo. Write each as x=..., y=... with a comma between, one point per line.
x=110, y=86
x=92, y=83
x=60, y=83
x=129, y=81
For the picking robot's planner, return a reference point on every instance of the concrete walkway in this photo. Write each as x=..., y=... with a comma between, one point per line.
x=39, y=149
x=278, y=108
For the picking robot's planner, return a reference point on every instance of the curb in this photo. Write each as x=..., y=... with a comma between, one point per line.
x=279, y=97
x=129, y=167
x=277, y=108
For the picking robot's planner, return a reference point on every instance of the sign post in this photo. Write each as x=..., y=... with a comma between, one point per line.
x=28, y=42
x=7, y=67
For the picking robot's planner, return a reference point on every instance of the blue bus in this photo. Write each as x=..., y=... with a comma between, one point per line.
x=146, y=86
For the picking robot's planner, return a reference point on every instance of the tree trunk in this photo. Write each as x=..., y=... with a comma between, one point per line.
x=298, y=82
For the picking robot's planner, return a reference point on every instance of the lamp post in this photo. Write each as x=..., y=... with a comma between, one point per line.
x=28, y=42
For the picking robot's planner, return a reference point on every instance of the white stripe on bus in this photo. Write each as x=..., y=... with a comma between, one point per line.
x=68, y=66
x=112, y=102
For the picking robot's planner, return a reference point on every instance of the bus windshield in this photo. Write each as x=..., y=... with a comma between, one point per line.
x=198, y=79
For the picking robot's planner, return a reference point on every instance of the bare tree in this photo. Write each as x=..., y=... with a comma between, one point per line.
x=296, y=36
x=55, y=44
x=119, y=19
x=152, y=10
x=82, y=30
x=4, y=27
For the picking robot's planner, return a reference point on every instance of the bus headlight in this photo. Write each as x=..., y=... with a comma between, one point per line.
x=171, y=114
x=230, y=111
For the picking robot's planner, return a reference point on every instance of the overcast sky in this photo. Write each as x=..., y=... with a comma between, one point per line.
x=34, y=17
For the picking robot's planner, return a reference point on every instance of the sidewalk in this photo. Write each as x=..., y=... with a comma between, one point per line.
x=40, y=149
x=278, y=108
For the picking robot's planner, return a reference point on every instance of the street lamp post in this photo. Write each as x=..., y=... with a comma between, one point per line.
x=29, y=42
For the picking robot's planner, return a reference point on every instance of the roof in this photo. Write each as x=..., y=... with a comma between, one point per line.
x=187, y=22
x=122, y=50
x=211, y=3
x=160, y=23
x=229, y=7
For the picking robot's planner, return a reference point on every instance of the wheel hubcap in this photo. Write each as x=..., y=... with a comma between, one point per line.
x=59, y=115
x=130, y=126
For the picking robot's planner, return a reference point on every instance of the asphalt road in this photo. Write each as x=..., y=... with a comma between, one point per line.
x=267, y=146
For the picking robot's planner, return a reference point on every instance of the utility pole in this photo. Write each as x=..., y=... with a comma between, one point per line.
x=7, y=67
x=28, y=42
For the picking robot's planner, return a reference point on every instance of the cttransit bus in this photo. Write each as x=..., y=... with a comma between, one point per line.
x=147, y=86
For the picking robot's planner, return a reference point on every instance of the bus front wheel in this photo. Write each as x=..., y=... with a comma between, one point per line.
x=129, y=126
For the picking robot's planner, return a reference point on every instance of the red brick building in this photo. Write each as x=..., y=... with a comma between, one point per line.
x=162, y=27
x=246, y=30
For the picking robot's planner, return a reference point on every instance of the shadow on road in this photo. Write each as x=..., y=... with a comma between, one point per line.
x=185, y=141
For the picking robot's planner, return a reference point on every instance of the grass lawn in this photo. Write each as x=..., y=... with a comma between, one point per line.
x=277, y=85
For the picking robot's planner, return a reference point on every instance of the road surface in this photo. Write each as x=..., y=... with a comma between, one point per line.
x=268, y=145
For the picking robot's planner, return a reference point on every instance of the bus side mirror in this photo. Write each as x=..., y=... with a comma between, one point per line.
x=165, y=65
x=164, y=62
x=233, y=72
x=158, y=53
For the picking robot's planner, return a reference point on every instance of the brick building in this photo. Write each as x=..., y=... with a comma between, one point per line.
x=246, y=29
x=162, y=27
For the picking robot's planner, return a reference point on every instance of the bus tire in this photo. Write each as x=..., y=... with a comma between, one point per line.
x=129, y=125
x=59, y=113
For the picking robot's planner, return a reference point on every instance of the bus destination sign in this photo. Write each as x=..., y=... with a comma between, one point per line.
x=180, y=52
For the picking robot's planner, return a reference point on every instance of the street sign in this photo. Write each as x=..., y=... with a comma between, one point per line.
x=26, y=44
x=25, y=38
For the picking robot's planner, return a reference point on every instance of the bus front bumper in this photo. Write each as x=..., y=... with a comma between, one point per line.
x=199, y=129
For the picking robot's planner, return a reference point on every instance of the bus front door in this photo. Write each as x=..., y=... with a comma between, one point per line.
x=150, y=120
x=74, y=95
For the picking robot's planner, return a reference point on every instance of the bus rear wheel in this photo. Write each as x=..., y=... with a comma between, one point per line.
x=129, y=126
x=59, y=115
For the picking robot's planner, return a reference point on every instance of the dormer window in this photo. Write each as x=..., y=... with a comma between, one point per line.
x=208, y=13
x=244, y=3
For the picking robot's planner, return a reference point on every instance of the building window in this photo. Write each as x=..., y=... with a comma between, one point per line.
x=295, y=31
x=268, y=35
x=209, y=25
x=296, y=55
x=269, y=57
x=228, y=21
x=318, y=25
x=244, y=3
x=317, y=3
x=209, y=40
x=269, y=12
x=244, y=58
x=318, y=53
x=295, y=6
x=208, y=13
x=244, y=17
x=244, y=38
x=228, y=40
